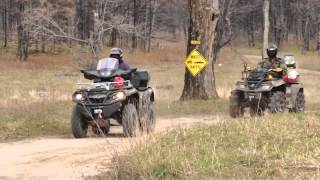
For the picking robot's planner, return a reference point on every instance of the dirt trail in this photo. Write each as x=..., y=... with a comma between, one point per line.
x=68, y=158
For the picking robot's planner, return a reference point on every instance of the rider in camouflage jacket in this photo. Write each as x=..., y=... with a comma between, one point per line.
x=273, y=62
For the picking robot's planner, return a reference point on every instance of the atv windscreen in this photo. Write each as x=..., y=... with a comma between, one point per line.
x=107, y=68
x=108, y=63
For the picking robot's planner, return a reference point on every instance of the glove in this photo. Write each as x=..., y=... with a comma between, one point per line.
x=278, y=70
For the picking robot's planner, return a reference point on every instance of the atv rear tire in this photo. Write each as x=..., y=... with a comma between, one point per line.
x=277, y=102
x=130, y=121
x=79, y=123
x=235, y=108
x=299, y=104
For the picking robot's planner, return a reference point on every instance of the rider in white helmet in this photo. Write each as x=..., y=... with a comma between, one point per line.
x=117, y=53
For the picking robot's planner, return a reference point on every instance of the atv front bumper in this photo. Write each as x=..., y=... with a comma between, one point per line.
x=107, y=110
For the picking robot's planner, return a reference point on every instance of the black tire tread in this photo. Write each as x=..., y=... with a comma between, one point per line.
x=78, y=123
x=130, y=120
x=235, y=108
x=277, y=99
x=299, y=104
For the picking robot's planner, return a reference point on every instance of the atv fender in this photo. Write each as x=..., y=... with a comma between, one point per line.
x=277, y=83
x=148, y=92
x=292, y=91
x=131, y=92
x=152, y=94
x=139, y=94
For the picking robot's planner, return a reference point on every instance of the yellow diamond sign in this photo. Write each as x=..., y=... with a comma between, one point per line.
x=195, y=62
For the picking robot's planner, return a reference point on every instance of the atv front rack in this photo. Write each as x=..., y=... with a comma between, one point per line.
x=104, y=86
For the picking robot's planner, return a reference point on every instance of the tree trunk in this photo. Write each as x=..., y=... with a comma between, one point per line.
x=5, y=24
x=23, y=35
x=306, y=34
x=135, y=19
x=23, y=43
x=278, y=17
x=146, y=23
x=43, y=44
x=114, y=37
x=85, y=18
x=250, y=30
x=266, y=10
x=151, y=21
x=204, y=15
x=318, y=41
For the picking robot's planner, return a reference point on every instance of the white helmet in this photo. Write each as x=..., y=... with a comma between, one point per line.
x=116, y=51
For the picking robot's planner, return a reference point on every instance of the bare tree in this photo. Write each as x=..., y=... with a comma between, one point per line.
x=150, y=21
x=85, y=18
x=4, y=10
x=42, y=24
x=23, y=33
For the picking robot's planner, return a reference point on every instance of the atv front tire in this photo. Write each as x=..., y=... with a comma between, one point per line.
x=79, y=123
x=235, y=108
x=277, y=102
x=130, y=121
x=299, y=104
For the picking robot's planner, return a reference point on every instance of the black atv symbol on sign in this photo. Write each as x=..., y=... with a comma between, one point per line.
x=199, y=62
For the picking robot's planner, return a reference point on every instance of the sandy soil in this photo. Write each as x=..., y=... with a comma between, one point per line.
x=69, y=158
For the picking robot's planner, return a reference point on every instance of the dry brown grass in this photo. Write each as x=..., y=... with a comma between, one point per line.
x=272, y=147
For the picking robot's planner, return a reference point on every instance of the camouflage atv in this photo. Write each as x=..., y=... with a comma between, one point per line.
x=260, y=91
x=123, y=96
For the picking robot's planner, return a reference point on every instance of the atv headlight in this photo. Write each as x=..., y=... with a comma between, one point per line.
x=120, y=96
x=78, y=97
x=241, y=86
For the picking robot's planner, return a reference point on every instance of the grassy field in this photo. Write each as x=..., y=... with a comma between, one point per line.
x=273, y=147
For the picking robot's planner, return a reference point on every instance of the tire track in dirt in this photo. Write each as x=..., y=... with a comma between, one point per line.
x=68, y=158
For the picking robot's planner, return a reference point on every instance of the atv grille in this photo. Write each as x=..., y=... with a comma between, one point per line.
x=96, y=101
x=97, y=98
